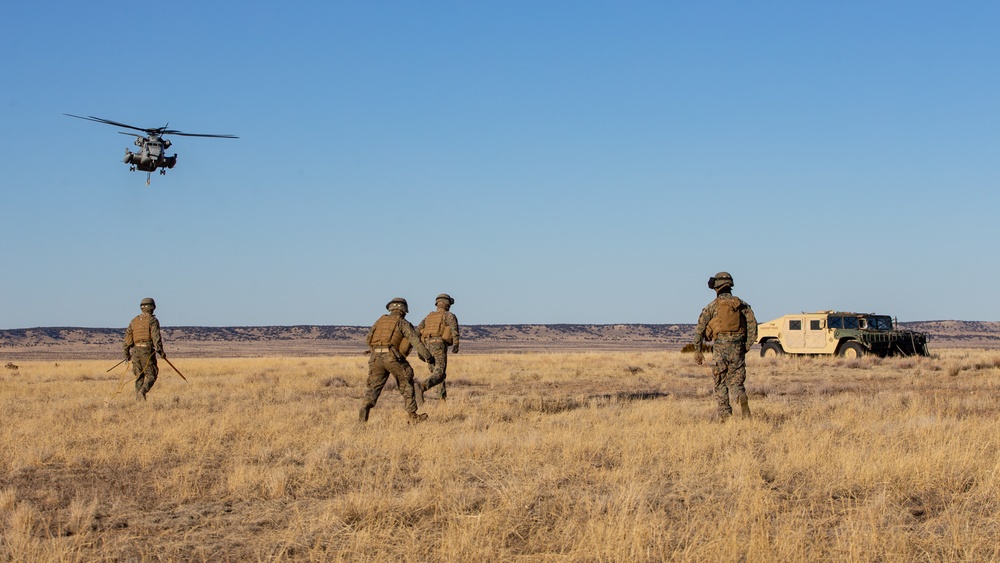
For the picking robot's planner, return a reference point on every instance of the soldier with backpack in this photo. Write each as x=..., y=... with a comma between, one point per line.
x=729, y=321
x=438, y=331
x=142, y=344
x=390, y=339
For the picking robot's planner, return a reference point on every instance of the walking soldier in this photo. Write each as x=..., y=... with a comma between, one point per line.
x=438, y=331
x=142, y=344
x=390, y=339
x=729, y=321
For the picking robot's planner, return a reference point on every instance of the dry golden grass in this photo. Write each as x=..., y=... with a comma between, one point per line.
x=536, y=457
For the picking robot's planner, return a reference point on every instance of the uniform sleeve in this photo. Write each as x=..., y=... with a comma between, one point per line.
x=452, y=321
x=154, y=333
x=127, y=344
x=699, y=330
x=751, y=324
x=368, y=339
x=413, y=336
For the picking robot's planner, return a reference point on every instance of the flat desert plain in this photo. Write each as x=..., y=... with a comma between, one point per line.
x=55, y=343
x=571, y=456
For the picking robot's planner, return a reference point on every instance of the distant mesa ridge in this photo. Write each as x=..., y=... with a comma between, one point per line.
x=318, y=340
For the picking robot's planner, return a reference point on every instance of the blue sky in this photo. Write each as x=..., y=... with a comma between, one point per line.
x=543, y=162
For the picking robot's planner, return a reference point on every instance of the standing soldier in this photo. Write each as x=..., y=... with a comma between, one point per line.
x=729, y=321
x=438, y=331
x=142, y=343
x=390, y=339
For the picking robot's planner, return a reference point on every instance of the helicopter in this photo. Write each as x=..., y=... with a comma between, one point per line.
x=151, y=154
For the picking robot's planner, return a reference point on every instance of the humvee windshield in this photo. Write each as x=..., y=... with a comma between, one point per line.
x=869, y=322
x=880, y=322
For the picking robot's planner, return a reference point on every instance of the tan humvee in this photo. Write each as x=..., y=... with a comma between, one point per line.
x=850, y=335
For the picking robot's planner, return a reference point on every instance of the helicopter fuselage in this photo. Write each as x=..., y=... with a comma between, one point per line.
x=151, y=154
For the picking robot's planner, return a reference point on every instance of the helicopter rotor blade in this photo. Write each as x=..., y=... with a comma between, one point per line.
x=109, y=122
x=174, y=132
x=154, y=130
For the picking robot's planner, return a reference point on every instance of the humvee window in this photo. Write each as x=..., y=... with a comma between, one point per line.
x=794, y=325
x=835, y=322
x=851, y=322
x=814, y=324
x=880, y=323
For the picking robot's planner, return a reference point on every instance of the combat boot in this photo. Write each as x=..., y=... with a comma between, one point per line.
x=745, y=406
x=363, y=414
x=417, y=418
x=418, y=392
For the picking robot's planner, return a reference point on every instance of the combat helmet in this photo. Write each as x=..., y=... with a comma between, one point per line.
x=720, y=280
x=147, y=302
x=397, y=303
x=444, y=297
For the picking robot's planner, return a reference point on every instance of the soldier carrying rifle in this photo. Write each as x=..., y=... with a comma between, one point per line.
x=142, y=344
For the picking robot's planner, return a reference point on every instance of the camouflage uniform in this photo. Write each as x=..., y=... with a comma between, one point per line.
x=388, y=356
x=142, y=344
x=438, y=331
x=731, y=343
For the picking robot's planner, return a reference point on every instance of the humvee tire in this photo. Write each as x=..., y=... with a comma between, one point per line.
x=851, y=350
x=771, y=349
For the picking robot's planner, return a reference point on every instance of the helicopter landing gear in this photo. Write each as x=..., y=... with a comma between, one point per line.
x=131, y=168
x=163, y=171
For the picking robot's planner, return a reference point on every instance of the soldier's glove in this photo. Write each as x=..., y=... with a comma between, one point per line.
x=127, y=359
x=699, y=358
x=454, y=349
x=163, y=354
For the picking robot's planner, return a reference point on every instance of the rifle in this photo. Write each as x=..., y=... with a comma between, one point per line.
x=175, y=369
x=116, y=365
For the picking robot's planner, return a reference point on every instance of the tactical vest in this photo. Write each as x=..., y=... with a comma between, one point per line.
x=140, y=328
x=436, y=327
x=728, y=317
x=433, y=325
x=386, y=332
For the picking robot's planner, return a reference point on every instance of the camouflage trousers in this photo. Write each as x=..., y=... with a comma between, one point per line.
x=144, y=368
x=730, y=371
x=439, y=350
x=380, y=365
